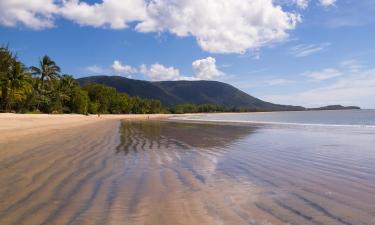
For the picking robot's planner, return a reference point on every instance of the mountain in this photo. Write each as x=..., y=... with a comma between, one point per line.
x=335, y=107
x=171, y=93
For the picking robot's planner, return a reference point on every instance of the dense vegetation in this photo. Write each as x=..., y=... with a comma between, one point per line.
x=45, y=89
x=202, y=108
x=172, y=93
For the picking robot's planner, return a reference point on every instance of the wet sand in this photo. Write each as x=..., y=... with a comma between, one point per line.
x=112, y=171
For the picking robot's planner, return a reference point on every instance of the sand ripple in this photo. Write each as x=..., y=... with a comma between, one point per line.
x=160, y=172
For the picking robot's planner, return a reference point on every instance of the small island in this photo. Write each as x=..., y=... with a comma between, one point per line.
x=335, y=107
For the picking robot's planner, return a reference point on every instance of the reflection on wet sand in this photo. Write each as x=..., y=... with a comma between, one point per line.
x=160, y=172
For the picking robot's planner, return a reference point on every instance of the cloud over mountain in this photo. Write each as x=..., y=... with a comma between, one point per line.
x=122, y=68
x=157, y=72
x=204, y=69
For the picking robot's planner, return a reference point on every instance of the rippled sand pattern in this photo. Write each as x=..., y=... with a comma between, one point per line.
x=172, y=173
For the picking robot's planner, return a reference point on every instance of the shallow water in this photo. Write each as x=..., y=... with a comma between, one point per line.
x=363, y=117
x=161, y=172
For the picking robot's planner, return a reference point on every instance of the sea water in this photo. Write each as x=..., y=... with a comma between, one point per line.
x=324, y=117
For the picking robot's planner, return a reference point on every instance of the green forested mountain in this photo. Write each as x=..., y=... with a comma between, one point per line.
x=44, y=88
x=143, y=89
x=172, y=93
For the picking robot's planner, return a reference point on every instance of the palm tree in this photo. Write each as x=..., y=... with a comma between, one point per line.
x=6, y=58
x=48, y=71
x=67, y=82
x=64, y=89
x=19, y=83
x=13, y=79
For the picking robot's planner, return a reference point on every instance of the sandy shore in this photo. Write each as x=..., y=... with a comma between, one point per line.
x=61, y=169
x=14, y=126
x=21, y=132
x=72, y=169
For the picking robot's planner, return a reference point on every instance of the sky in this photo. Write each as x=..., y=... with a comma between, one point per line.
x=299, y=52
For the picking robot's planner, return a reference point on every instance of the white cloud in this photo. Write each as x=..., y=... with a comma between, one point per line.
x=324, y=74
x=327, y=2
x=121, y=68
x=205, y=69
x=158, y=72
x=117, y=67
x=36, y=14
x=116, y=14
x=304, y=50
x=221, y=26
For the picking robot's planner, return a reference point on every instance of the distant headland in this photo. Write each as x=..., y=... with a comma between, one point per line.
x=335, y=107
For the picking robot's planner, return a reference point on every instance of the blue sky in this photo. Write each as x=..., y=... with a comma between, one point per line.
x=303, y=52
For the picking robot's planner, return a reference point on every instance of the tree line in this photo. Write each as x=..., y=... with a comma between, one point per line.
x=45, y=89
x=207, y=108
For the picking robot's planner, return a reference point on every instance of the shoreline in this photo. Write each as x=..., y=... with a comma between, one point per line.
x=358, y=119
x=253, y=122
x=13, y=126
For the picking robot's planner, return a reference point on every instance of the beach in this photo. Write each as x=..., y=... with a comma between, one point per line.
x=146, y=169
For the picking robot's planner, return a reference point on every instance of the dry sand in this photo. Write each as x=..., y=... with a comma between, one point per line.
x=15, y=125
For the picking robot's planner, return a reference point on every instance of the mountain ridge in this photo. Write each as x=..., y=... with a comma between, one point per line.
x=172, y=93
